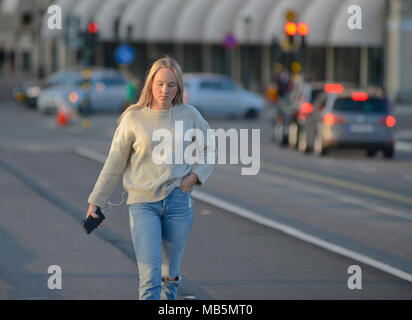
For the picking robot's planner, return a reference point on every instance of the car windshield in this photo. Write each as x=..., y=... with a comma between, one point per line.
x=371, y=105
x=56, y=78
x=68, y=78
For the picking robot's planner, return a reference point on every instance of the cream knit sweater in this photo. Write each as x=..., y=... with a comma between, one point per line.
x=131, y=155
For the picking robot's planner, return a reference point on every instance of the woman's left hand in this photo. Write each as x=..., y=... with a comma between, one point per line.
x=188, y=182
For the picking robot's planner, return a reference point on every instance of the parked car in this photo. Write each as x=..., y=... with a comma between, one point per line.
x=29, y=92
x=355, y=119
x=219, y=95
x=103, y=90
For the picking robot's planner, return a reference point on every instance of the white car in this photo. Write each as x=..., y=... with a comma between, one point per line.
x=107, y=93
x=219, y=95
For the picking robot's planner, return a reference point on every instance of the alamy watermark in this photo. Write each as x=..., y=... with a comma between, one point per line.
x=355, y=280
x=355, y=20
x=55, y=280
x=172, y=151
x=54, y=22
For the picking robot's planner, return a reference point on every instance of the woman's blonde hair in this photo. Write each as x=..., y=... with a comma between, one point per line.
x=146, y=96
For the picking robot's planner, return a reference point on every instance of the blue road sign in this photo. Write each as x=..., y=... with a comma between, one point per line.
x=124, y=54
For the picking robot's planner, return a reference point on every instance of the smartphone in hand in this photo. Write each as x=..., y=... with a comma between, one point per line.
x=91, y=223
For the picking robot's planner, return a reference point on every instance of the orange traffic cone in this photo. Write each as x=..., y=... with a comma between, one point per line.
x=62, y=117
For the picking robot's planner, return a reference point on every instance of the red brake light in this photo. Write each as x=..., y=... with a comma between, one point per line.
x=330, y=119
x=359, y=96
x=306, y=107
x=305, y=110
x=333, y=88
x=389, y=121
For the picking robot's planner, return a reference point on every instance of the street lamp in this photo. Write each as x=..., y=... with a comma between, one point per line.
x=303, y=30
x=247, y=21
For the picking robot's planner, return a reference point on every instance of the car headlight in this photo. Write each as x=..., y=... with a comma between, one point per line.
x=73, y=97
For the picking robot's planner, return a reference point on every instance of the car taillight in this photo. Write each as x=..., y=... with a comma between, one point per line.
x=333, y=88
x=388, y=121
x=359, y=96
x=305, y=110
x=330, y=119
x=306, y=107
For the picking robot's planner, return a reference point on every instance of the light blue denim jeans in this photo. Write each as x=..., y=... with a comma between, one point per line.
x=159, y=231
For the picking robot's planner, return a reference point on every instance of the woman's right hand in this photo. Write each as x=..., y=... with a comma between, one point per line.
x=91, y=212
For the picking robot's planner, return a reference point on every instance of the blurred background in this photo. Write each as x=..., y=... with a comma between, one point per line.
x=327, y=82
x=242, y=39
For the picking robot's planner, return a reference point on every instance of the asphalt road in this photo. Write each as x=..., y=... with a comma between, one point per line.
x=45, y=184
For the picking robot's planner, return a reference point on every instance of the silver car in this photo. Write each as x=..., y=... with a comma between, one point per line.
x=219, y=95
x=106, y=92
x=349, y=119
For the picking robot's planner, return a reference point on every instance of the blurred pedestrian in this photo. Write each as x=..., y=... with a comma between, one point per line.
x=159, y=195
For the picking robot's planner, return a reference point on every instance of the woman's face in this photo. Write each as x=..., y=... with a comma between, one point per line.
x=164, y=88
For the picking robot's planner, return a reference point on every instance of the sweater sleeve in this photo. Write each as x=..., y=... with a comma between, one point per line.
x=115, y=163
x=208, y=152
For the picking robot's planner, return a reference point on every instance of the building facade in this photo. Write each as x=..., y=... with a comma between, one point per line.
x=196, y=33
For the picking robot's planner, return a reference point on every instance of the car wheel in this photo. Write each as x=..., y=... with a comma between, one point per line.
x=251, y=114
x=370, y=153
x=303, y=143
x=389, y=153
x=293, y=138
x=318, y=147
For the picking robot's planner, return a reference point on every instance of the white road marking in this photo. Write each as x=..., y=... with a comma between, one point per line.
x=90, y=154
x=335, y=196
x=294, y=232
x=404, y=134
x=403, y=146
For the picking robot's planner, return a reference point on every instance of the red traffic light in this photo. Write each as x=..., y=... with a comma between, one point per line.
x=290, y=28
x=303, y=28
x=93, y=27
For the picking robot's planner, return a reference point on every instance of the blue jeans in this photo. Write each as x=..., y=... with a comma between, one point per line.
x=159, y=231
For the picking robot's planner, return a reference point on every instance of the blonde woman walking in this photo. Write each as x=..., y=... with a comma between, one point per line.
x=159, y=195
